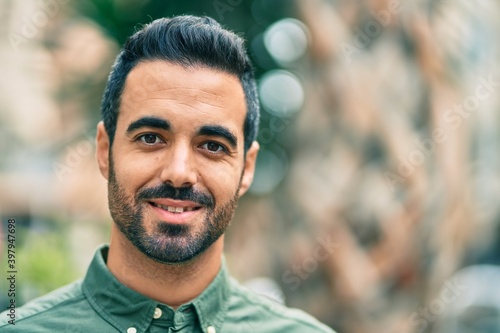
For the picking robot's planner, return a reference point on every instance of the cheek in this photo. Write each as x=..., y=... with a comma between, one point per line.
x=222, y=181
x=133, y=172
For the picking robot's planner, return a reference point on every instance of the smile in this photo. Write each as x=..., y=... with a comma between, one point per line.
x=173, y=209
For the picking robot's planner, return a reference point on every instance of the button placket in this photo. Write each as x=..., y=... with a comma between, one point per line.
x=157, y=313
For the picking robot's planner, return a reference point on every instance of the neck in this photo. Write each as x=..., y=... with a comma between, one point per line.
x=172, y=285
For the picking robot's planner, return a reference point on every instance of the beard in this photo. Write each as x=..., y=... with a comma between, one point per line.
x=166, y=242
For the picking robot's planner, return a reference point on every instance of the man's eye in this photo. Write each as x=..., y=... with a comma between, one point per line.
x=214, y=147
x=150, y=139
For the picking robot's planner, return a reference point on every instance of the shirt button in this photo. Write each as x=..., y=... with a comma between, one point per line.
x=131, y=330
x=157, y=313
x=211, y=329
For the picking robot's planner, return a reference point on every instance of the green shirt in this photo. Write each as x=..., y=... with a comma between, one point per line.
x=100, y=303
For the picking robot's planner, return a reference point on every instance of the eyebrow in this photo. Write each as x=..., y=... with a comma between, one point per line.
x=153, y=122
x=220, y=131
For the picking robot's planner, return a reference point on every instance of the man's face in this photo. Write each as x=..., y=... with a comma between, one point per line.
x=177, y=166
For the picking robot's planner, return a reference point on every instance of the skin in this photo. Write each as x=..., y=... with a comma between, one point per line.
x=181, y=156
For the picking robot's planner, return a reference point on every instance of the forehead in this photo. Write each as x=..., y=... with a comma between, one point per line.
x=196, y=94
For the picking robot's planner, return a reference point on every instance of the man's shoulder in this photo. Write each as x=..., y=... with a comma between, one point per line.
x=44, y=311
x=259, y=313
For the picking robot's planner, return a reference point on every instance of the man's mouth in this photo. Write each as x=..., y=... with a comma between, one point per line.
x=175, y=210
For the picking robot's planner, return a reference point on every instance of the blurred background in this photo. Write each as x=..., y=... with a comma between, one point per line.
x=374, y=206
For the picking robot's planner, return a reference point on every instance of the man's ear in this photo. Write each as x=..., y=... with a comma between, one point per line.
x=102, y=149
x=249, y=168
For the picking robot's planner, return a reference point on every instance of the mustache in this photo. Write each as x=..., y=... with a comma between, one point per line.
x=165, y=191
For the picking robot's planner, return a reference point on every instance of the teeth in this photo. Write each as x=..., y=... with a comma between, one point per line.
x=174, y=209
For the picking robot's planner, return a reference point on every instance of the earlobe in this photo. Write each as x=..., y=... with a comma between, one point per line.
x=249, y=169
x=102, y=149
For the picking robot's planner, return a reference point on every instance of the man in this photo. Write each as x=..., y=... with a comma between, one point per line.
x=177, y=146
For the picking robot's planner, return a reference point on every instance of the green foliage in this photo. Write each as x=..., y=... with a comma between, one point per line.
x=121, y=18
x=43, y=264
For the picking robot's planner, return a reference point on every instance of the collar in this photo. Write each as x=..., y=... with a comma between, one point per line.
x=123, y=307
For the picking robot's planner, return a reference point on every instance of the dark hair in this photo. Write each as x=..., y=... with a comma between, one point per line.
x=187, y=41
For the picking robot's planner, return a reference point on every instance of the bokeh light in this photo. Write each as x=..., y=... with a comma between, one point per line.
x=281, y=93
x=272, y=166
x=286, y=40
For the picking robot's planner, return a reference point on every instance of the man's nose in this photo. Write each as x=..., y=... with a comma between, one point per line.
x=179, y=169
